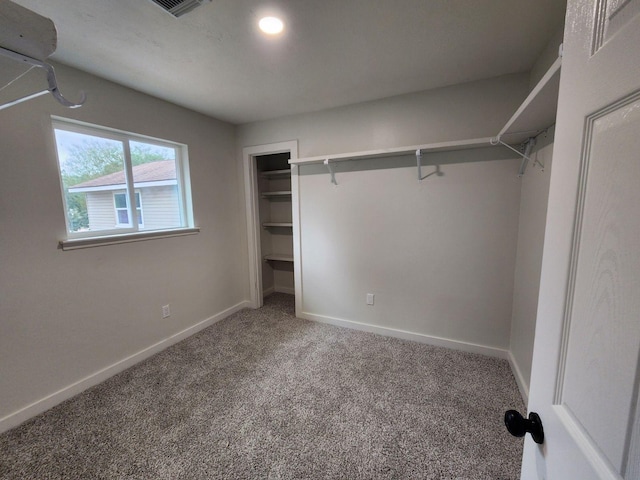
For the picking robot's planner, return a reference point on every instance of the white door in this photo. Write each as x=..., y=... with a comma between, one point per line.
x=586, y=370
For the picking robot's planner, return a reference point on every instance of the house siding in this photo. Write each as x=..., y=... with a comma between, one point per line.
x=101, y=210
x=160, y=208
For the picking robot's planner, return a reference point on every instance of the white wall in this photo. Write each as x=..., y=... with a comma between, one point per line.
x=439, y=255
x=66, y=315
x=458, y=112
x=546, y=58
x=532, y=220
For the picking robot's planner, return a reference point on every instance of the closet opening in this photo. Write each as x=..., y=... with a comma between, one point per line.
x=270, y=219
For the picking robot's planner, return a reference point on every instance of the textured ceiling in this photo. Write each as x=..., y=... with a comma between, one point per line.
x=333, y=52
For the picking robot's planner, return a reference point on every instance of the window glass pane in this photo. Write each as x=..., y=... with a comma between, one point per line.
x=91, y=167
x=156, y=183
x=120, y=200
x=123, y=217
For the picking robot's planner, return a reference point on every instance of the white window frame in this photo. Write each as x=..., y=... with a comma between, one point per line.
x=131, y=232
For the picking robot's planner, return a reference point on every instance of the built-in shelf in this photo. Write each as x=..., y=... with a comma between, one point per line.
x=282, y=193
x=537, y=112
x=274, y=221
x=277, y=257
x=276, y=173
x=277, y=224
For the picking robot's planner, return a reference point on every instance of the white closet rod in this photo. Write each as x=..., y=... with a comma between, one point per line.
x=51, y=81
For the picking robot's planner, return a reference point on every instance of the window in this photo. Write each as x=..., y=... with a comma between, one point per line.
x=122, y=209
x=103, y=172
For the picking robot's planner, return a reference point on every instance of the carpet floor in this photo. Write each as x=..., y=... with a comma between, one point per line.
x=264, y=395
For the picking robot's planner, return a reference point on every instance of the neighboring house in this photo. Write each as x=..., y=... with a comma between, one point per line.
x=157, y=200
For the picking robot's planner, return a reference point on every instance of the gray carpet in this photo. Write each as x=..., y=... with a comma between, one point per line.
x=265, y=395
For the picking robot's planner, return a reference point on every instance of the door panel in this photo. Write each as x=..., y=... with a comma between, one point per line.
x=600, y=365
x=586, y=366
x=611, y=16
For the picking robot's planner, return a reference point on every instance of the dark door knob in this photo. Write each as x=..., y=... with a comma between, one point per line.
x=518, y=425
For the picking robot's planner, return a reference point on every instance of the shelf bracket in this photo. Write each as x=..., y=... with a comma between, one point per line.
x=528, y=146
x=526, y=156
x=51, y=81
x=436, y=172
x=331, y=172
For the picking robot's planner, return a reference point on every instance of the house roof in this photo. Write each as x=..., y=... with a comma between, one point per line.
x=145, y=173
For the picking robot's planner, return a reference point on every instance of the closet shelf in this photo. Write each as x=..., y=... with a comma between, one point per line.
x=537, y=112
x=283, y=193
x=278, y=257
x=276, y=173
x=277, y=224
x=390, y=152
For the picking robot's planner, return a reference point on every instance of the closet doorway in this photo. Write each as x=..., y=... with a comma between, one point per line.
x=272, y=222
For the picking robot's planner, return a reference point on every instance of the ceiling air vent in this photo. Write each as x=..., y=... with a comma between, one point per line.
x=179, y=7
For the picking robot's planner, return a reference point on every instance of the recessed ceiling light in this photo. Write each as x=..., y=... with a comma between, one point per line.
x=271, y=25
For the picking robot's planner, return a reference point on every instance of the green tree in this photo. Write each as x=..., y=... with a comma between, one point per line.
x=91, y=159
x=77, y=211
x=143, y=153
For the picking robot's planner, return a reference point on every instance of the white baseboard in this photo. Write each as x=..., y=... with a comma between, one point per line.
x=277, y=289
x=268, y=291
x=416, y=337
x=289, y=290
x=522, y=385
x=16, y=418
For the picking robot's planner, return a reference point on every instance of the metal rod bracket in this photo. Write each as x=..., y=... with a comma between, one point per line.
x=331, y=172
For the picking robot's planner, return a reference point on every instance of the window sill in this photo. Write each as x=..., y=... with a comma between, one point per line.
x=89, y=242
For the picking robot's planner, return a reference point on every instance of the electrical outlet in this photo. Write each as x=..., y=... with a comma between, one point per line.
x=166, y=311
x=370, y=298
